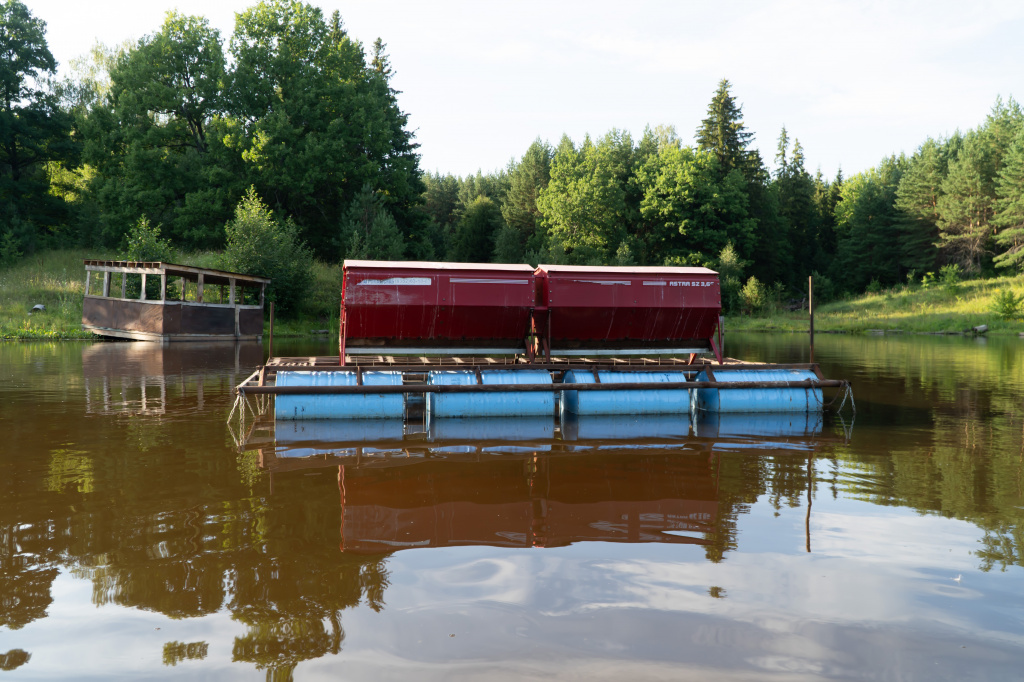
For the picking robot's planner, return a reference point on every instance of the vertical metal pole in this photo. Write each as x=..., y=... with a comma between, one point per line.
x=88, y=277
x=270, y=345
x=106, y=283
x=721, y=335
x=199, y=289
x=342, y=331
x=810, y=309
x=163, y=286
x=142, y=294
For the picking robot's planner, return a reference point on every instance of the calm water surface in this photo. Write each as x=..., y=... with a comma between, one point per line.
x=137, y=541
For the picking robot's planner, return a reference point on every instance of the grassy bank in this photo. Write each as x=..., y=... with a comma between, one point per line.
x=56, y=279
x=911, y=309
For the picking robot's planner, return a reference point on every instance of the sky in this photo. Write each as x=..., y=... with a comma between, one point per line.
x=853, y=81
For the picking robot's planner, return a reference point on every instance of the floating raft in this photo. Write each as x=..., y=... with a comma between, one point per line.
x=310, y=388
x=482, y=340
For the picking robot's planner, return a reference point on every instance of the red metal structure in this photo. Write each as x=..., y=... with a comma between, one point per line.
x=419, y=308
x=589, y=310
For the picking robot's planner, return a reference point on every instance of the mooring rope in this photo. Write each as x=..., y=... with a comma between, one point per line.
x=846, y=394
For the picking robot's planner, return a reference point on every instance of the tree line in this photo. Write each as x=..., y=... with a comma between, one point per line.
x=294, y=116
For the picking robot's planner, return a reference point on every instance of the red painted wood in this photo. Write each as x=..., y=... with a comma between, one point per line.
x=602, y=304
x=436, y=303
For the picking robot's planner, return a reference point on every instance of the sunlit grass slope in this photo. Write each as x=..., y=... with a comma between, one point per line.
x=56, y=279
x=936, y=309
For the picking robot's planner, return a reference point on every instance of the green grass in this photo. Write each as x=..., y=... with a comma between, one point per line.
x=57, y=280
x=936, y=310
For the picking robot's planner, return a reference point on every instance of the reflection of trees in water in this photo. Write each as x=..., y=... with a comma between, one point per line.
x=176, y=652
x=174, y=531
x=968, y=464
x=292, y=607
x=744, y=476
x=29, y=560
x=15, y=658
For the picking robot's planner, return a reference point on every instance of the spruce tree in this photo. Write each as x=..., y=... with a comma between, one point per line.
x=519, y=209
x=723, y=133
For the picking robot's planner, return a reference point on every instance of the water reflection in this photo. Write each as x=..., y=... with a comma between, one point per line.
x=651, y=547
x=529, y=483
x=134, y=377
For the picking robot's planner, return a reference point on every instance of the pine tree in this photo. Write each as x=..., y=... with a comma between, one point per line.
x=965, y=207
x=918, y=199
x=1009, y=207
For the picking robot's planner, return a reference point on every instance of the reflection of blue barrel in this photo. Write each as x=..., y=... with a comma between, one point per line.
x=492, y=428
x=338, y=430
x=758, y=399
x=757, y=425
x=633, y=401
x=291, y=435
x=352, y=406
x=497, y=404
x=632, y=427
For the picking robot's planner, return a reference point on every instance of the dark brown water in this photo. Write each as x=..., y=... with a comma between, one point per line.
x=137, y=541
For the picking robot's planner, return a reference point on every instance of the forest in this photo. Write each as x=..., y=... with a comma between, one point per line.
x=285, y=143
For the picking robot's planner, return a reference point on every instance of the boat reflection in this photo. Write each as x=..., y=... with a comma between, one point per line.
x=141, y=377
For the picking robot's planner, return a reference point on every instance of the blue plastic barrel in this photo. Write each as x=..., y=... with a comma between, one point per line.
x=758, y=399
x=497, y=404
x=638, y=401
x=363, y=406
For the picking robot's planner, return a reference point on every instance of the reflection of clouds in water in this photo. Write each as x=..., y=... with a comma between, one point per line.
x=872, y=599
x=135, y=650
x=901, y=538
x=504, y=581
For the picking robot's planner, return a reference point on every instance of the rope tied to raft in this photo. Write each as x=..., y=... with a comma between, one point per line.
x=846, y=394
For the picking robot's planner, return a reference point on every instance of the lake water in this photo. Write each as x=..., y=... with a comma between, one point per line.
x=137, y=541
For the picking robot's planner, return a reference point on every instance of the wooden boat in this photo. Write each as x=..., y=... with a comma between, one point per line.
x=168, y=302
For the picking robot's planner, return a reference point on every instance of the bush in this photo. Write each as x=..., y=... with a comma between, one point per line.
x=874, y=287
x=259, y=244
x=1007, y=305
x=950, y=276
x=824, y=288
x=730, y=269
x=143, y=243
x=754, y=296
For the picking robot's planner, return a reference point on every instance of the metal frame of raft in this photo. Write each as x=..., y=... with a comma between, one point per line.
x=255, y=384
